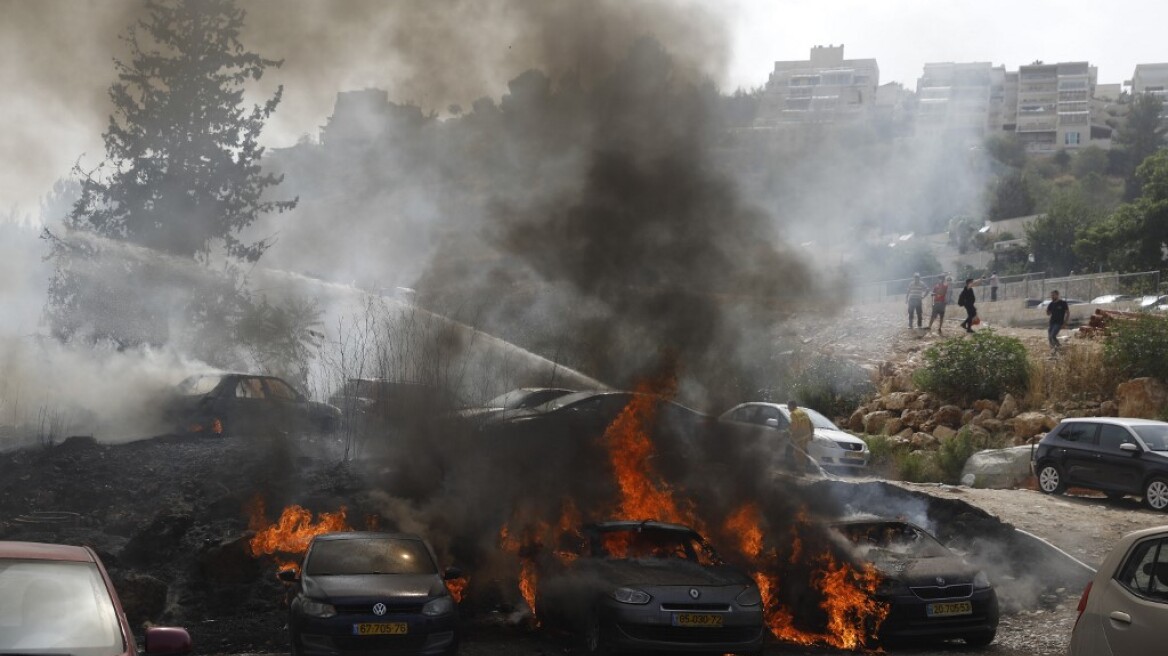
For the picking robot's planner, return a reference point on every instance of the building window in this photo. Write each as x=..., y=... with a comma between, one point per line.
x=1071, y=139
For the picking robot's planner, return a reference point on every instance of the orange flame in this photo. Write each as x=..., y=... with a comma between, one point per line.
x=457, y=588
x=290, y=535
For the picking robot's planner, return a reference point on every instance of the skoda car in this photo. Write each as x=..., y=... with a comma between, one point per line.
x=642, y=586
x=931, y=592
x=830, y=446
x=369, y=593
x=58, y=599
x=1116, y=456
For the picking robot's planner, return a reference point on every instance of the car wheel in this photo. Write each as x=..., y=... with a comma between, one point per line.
x=1050, y=479
x=1156, y=494
x=594, y=636
x=980, y=639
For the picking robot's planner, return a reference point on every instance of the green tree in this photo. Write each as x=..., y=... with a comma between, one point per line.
x=182, y=174
x=1135, y=236
x=1141, y=135
x=1052, y=236
x=1010, y=197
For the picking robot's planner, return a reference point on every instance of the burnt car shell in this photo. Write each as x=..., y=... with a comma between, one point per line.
x=221, y=404
x=686, y=602
x=931, y=591
x=402, y=608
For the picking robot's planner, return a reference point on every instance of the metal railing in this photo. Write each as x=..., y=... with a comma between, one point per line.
x=1024, y=286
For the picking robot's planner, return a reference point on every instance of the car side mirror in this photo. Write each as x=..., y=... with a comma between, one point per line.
x=452, y=573
x=1130, y=448
x=288, y=575
x=772, y=423
x=165, y=640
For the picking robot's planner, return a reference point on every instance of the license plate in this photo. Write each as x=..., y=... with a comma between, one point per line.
x=381, y=628
x=949, y=609
x=852, y=461
x=697, y=619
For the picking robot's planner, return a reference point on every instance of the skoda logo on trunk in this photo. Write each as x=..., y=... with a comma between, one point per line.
x=379, y=609
x=694, y=593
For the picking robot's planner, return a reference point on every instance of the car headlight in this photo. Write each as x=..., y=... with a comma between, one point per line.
x=892, y=588
x=981, y=581
x=749, y=597
x=314, y=608
x=631, y=596
x=439, y=606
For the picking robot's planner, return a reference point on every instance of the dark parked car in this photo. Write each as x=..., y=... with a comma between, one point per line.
x=591, y=412
x=58, y=599
x=1116, y=456
x=223, y=404
x=504, y=405
x=366, y=593
x=931, y=591
x=651, y=586
x=377, y=403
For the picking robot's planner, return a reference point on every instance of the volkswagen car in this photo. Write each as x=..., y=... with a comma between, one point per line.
x=830, y=446
x=368, y=593
x=650, y=586
x=1116, y=456
x=931, y=592
x=58, y=599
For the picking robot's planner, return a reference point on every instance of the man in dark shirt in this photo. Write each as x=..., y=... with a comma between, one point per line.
x=1058, y=310
x=967, y=300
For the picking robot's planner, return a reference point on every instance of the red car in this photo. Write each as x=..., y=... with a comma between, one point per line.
x=58, y=599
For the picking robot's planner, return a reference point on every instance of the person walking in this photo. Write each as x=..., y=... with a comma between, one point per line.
x=994, y=287
x=1059, y=312
x=801, y=431
x=940, y=296
x=914, y=298
x=967, y=300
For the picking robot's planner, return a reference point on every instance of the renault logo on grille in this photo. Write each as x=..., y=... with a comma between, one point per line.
x=694, y=593
x=378, y=609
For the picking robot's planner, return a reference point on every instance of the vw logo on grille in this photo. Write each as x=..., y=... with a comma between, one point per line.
x=940, y=581
x=379, y=609
x=694, y=593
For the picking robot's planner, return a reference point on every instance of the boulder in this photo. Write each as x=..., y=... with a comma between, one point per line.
x=993, y=426
x=1109, y=409
x=948, y=415
x=898, y=400
x=1009, y=408
x=999, y=468
x=876, y=404
x=967, y=417
x=893, y=426
x=856, y=421
x=1032, y=423
x=903, y=437
x=983, y=405
x=943, y=433
x=1141, y=397
x=982, y=417
x=874, y=421
x=923, y=441
x=915, y=418
x=978, y=434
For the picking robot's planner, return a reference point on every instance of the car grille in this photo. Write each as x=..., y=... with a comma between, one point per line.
x=367, y=608
x=850, y=446
x=727, y=634
x=712, y=608
x=943, y=592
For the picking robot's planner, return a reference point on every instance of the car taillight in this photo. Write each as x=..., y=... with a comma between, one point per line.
x=1083, y=603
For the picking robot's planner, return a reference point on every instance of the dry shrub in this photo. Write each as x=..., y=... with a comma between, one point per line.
x=1079, y=372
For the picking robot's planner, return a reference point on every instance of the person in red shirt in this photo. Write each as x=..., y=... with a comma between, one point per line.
x=940, y=295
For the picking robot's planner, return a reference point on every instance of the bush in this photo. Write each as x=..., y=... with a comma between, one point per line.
x=833, y=386
x=1136, y=348
x=983, y=365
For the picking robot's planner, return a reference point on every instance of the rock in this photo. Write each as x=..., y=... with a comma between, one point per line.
x=904, y=436
x=915, y=418
x=967, y=417
x=876, y=404
x=1031, y=423
x=993, y=426
x=874, y=421
x=856, y=421
x=1109, y=409
x=983, y=405
x=943, y=433
x=143, y=597
x=982, y=417
x=1009, y=408
x=1141, y=397
x=948, y=415
x=978, y=434
x=898, y=400
x=893, y=426
x=923, y=441
x=999, y=468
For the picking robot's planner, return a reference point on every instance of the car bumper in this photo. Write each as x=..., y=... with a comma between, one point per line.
x=335, y=636
x=908, y=617
x=837, y=457
x=653, y=630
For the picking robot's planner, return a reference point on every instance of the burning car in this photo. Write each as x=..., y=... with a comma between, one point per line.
x=58, y=599
x=931, y=592
x=371, y=593
x=651, y=586
x=222, y=404
x=504, y=405
x=830, y=446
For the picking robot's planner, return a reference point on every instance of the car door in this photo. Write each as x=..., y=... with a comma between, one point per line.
x=251, y=411
x=1132, y=608
x=288, y=409
x=1079, y=453
x=1119, y=470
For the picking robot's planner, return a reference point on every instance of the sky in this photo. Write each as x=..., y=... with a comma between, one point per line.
x=56, y=57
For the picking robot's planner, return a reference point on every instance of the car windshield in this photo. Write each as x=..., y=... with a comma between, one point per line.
x=819, y=421
x=876, y=540
x=53, y=607
x=199, y=385
x=1154, y=436
x=369, y=556
x=645, y=543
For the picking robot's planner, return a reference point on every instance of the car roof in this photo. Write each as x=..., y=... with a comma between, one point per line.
x=1121, y=421
x=365, y=535
x=45, y=551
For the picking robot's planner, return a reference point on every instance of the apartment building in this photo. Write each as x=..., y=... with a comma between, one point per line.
x=825, y=88
x=1151, y=78
x=1054, y=107
x=960, y=100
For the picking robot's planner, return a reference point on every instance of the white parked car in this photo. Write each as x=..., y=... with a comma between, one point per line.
x=1124, y=610
x=830, y=446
